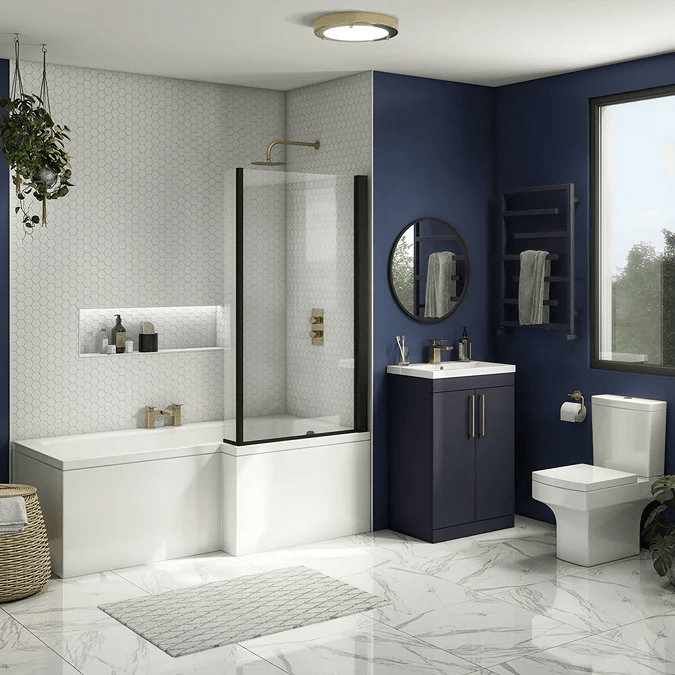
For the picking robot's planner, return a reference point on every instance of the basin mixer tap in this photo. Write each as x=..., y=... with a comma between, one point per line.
x=435, y=347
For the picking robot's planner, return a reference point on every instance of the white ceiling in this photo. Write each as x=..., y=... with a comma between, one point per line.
x=270, y=43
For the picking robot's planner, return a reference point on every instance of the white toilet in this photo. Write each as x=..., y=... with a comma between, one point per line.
x=598, y=508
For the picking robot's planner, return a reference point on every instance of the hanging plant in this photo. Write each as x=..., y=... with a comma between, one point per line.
x=34, y=148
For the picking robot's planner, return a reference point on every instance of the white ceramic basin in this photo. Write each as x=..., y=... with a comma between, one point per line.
x=452, y=369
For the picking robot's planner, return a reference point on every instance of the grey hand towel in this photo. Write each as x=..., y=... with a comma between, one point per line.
x=441, y=286
x=532, y=289
x=13, y=516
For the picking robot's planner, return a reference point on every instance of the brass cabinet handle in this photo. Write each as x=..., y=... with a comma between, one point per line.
x=472, y=398
x=482, y=414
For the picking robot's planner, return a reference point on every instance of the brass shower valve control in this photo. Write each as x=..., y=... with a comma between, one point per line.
x=316, y=323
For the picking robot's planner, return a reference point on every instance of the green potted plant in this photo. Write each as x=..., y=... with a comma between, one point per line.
x=34, y=149
x=659, y=528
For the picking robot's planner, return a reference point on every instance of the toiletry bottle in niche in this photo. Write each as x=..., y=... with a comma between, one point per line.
x=118, y=335
x=103, y=337
x=465, y=347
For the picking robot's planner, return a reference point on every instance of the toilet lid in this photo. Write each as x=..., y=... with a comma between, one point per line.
x=583, y=477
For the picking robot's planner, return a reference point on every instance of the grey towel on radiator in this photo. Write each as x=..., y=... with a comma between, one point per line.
x=13, y=516
x=441, y=285
x=532, y=289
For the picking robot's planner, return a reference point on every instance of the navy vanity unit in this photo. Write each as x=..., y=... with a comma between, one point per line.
x=451, y=449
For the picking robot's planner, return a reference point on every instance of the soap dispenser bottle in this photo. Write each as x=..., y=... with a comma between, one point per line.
x=464, y=347
x=118, y=335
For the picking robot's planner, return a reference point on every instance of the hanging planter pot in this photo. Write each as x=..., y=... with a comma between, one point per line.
x=34, y=148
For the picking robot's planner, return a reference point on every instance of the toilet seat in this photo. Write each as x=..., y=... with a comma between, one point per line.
x=583, y=477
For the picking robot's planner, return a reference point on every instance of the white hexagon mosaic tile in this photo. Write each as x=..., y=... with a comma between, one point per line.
x=149, y=224
x=144, y=226
x=320, y=242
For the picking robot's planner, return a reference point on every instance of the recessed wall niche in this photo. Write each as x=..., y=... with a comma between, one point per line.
x=178, y=328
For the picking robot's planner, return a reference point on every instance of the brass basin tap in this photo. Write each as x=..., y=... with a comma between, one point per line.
x=435, y=347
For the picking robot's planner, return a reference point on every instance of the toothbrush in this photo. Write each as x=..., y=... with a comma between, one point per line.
x=400, y=349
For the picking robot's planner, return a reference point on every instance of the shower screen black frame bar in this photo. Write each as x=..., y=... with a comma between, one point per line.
x=361, y=313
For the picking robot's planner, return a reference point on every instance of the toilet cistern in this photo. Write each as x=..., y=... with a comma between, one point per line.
x=435, y=347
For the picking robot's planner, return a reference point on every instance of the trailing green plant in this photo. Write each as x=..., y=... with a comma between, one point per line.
x=659, y=527
x=35, y=152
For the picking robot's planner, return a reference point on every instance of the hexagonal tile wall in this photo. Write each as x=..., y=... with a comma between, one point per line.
x=320, y=241
x=144, y=226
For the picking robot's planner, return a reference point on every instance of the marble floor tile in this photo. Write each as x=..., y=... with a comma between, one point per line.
x=355, y=645
x=484, y=630
x=21, y=653
x=77, y=595
x=337, y=557
x=409, y=590
x=594, y=654
x=598, y=598
x=522, y=527
x=194, y=571
x=655, y=636
x=493, y=603
x=96, y=644
x=495, y=565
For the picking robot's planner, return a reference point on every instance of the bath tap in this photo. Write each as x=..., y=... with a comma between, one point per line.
x=173, y=411
x=435, y=347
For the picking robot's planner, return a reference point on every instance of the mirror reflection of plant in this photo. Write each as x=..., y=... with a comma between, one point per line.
x=659, y=527
x=403, y=272
x=35, y=152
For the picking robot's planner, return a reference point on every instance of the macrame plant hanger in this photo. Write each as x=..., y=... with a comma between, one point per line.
x=44, y=88
x=17, y=91
x=44, y=98
x=17, y=84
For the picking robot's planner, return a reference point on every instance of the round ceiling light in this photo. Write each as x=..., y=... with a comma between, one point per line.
x=356, y=27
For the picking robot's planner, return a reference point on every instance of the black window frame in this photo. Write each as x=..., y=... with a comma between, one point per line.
x=596, y=105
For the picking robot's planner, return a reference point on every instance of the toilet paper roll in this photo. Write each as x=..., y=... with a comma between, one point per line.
x=571, y=412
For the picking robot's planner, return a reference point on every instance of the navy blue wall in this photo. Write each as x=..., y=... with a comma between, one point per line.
x=542, y=137
x=433, y=148
x=4, y=295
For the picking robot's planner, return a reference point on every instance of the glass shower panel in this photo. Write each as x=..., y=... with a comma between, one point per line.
x=297, y=304
x=226, y=326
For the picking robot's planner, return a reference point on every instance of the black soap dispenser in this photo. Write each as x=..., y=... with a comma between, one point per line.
x=465, y=347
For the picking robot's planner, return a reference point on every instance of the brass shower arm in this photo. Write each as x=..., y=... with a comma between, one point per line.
x=316, y=145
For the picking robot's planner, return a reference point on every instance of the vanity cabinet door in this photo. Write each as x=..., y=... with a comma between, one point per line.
x=494, y=453
x=450, y=456
x=453, y=458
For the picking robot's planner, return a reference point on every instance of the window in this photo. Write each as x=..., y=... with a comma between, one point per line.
x=633, y=231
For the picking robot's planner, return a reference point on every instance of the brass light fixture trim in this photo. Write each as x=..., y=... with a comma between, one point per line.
x=356, y=27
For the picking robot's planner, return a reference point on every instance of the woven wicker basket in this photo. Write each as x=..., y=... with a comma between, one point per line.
x=24, y=556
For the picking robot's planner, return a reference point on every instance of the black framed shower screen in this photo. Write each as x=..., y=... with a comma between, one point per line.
x=299, y=192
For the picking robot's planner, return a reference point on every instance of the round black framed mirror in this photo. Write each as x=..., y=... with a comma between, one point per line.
x=429, y=269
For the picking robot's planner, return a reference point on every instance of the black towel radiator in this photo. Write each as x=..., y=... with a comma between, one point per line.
x=542, y=218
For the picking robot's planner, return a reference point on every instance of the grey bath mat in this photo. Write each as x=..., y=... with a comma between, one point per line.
x=220, y=613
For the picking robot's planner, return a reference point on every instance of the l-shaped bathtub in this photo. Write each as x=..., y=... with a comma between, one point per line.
x=116, y=499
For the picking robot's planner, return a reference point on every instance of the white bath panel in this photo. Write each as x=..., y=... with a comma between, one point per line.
x=113, y=500
x=297, y=496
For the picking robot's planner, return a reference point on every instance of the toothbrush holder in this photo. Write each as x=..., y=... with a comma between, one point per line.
x=405, y=360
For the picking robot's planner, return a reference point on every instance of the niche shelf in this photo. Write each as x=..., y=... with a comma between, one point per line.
x=179, y=329
x=539, y=217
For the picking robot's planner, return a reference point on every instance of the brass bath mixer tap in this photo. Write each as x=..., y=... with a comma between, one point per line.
x=173, y=411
